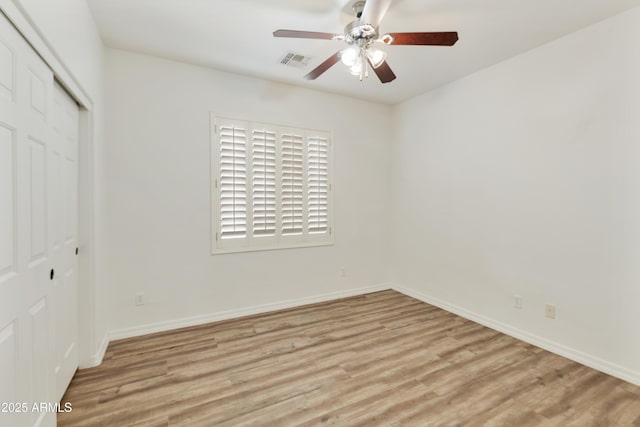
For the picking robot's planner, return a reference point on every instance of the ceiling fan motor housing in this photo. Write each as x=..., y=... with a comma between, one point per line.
x=360, y=34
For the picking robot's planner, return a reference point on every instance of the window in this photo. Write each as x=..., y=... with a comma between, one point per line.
x=271, y=186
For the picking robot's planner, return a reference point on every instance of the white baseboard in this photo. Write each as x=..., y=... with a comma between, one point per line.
x=230, y=314
x=97, y=358
x=552, y=346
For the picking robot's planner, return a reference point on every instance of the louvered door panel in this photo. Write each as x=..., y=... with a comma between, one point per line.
x=263, y=181
x=318, y=184
x=233, y=180
x=292, y=179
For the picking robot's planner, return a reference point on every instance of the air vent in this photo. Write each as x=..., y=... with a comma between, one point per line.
x=293, y=59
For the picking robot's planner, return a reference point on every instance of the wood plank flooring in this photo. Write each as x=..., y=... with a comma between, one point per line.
x=378, y=359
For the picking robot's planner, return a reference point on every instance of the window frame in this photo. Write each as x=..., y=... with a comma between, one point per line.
x=251, y=242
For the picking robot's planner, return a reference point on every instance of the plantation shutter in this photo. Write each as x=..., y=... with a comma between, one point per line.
x=318, y=184
x=263, y=181
x=292, y=183
x=271, y=186
x=233, y=180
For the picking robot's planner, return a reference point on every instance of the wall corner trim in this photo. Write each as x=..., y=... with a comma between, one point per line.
x=98, y=357
x=578, y=356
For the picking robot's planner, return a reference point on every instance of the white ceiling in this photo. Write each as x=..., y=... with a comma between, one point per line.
x=236, y=36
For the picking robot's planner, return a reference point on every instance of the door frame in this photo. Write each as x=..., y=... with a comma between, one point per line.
x=91, y=347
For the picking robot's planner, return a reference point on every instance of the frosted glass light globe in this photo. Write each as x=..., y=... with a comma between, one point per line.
x=350, y=56
x=376, y=56
x=356, y=68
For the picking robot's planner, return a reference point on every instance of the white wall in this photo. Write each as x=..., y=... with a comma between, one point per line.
x=158, y=193
x=71, y=38
x=523, y=179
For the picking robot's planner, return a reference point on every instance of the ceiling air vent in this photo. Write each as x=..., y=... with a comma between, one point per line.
x=295, y=60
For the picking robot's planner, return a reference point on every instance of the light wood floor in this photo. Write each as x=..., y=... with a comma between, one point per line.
x=378, y=359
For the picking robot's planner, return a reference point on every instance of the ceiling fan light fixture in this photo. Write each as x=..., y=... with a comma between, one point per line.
x=356, y=68
x=350, y=55
x=376, y=56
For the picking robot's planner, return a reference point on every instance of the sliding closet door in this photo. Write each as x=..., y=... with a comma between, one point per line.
x=64, y=225
x=38, y=217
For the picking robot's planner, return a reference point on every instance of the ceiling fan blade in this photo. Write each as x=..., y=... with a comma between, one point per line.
x=384, y=72
x=374, y=11
x=320, y=69
x=304, y=34
x=425, y=39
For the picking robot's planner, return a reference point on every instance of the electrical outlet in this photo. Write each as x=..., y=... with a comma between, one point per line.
x=517, y=301
x=550, y=311
x=139, y=298
x=343, y=272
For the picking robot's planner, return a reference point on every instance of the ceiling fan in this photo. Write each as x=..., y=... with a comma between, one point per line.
x=360, y=36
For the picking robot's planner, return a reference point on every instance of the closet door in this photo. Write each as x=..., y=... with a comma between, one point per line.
x=12, y=292
x=38, y=210
x=64, y=225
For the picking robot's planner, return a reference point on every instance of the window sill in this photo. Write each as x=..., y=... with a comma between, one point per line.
x=223, y=251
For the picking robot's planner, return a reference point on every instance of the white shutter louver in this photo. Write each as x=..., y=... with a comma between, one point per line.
x=318, y=184
x=271, y=186
x=233, y=182
x=263, y=182
x=292, y=183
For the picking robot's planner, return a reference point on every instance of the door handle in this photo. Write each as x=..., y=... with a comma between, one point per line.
x=52, y=274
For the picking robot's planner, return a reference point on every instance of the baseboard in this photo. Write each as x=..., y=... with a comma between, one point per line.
x=552, y=346
x=230, y=314
x=97, y=358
